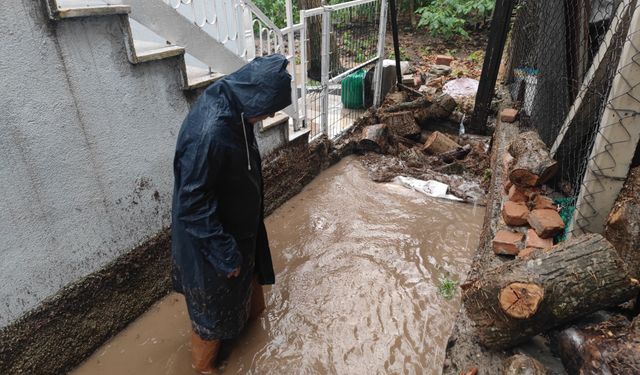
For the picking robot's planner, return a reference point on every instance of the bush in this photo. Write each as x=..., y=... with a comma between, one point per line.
x=447, y=18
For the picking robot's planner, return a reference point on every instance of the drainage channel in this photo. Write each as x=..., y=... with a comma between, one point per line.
x=358, y=266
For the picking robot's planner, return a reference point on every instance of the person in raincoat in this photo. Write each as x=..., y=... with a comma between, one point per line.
x=220, y=249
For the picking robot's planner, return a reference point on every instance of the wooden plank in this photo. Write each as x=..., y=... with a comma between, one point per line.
x=499, y=29
x=594, y=73
x=616, y=142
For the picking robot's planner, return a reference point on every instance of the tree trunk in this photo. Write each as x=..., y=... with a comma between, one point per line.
x=314, y=46
x=401, y=123
x=459, y=153
x=524, y=297
x=609, y=344
x=533, y=165
x=623, y=225
x=374, y=138
x=439, y=143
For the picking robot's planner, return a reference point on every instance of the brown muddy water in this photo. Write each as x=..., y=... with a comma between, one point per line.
x=357, y=272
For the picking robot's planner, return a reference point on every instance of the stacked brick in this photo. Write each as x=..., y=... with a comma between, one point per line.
x=530, y=219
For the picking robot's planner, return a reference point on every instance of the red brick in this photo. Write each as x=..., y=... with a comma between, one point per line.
x=533, y=240
x=508, y=115
x=547, y=223
x=518, y=195
x=515, y=213
x=507, y=243
x=507, y=185
x=526, y=253
x=540, y=202
x=444, y=60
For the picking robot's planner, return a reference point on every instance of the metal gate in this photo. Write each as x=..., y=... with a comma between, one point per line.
x=337, y=41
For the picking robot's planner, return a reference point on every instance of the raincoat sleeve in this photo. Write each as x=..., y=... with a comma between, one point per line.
x=199, y=205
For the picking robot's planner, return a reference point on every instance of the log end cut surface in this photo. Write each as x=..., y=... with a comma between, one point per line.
x=521, y=300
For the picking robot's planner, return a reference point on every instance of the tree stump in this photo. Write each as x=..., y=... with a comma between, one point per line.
x=401, y=123
x=524, y=297
x=532, y=164
x=374, y=138
x=439, y=143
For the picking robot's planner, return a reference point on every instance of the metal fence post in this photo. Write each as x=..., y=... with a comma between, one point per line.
x=303, y=68
x=379, y=66
x=499, y=29
x=325, y=58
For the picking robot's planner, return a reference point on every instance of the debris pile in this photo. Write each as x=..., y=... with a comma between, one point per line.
x=580, y=293
x=420, y=134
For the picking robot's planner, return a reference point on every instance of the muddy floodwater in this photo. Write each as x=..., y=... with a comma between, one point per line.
x=357, y=272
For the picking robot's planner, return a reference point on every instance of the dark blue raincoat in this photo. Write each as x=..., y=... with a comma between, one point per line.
x=217, y=222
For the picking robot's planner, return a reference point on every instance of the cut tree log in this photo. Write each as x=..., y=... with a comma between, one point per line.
x=374, y=138
x=457, y=154
x=603, y=344
x=524, y=297
x=533, y=165
x=623, y=225
x=401, y=123
x=439, y=143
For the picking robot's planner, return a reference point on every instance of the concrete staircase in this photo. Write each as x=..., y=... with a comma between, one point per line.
x=155, y=32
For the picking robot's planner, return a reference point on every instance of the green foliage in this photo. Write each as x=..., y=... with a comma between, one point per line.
x=476, y=56
x=404, y=55
x=276, y=11
x=447, y=18
x=447, y=287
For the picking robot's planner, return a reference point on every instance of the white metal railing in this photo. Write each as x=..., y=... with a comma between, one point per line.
x=246, y=31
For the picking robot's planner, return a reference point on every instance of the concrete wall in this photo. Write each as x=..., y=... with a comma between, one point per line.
x=86, y=147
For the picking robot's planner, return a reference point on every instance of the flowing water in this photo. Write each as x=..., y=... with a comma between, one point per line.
x=358, y=265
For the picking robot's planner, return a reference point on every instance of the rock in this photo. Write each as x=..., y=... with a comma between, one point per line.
x=547, y=223
x=507, y=243
x=508, y=115
x=521, y=364
x=515, y=213
x=440, y=70
x=534, y=241
x=444, y=60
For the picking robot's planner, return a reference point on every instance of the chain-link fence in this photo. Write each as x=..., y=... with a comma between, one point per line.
x=562, y=64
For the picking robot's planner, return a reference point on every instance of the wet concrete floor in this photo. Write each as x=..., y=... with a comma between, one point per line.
x=357, y=269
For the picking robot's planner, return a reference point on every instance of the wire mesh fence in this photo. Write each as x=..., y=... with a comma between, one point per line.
x=336, y=79
x=562, y=61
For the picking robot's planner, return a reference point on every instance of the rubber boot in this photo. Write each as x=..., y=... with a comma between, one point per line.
x=257, y=300
x=203, y=353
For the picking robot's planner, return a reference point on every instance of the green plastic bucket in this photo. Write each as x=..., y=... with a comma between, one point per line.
x=352, y=94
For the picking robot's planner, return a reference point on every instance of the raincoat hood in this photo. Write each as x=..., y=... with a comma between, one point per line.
x=261, y=87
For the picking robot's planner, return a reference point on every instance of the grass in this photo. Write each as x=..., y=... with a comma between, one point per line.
x=447, y=288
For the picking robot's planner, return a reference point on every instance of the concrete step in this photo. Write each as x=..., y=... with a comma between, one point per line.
x=64, y=10
x=150, y=51
x=199, y=77
x=276, y=120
